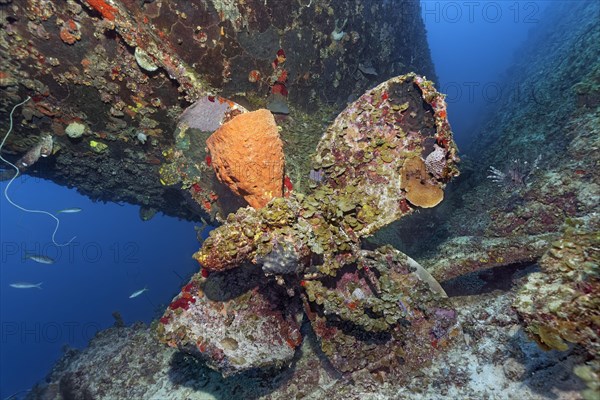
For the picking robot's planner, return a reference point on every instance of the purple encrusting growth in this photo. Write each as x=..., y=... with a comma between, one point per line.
x=446, y=313
x=404, y=308
x=207, y=114
x=316, y=175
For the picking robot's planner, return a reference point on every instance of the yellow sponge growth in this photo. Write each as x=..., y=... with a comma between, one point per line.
x=98, y=147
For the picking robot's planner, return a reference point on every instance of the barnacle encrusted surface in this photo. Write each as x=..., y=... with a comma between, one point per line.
x=372, y=310
x=560, y=304
x=363, y=152
x=232, y=322
x=383, y=315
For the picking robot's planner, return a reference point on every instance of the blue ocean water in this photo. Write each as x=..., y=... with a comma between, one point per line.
x=114, y=254
x=472, y=45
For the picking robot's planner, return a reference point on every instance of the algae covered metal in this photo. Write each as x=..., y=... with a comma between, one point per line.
x=305, y=251
x=138, y=64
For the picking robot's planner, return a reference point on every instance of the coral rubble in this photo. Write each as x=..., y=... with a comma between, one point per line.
x=496, y=360
x=560, y=304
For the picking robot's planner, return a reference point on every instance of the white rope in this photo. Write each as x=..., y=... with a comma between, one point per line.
x=17, y=174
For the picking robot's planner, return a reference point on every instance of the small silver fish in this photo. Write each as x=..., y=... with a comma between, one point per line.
x=39, y=259
x=137, y=293
x=69, y=210
x=26, y=285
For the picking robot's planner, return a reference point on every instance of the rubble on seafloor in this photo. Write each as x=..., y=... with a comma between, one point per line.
x=494, y=360
x=560, y=304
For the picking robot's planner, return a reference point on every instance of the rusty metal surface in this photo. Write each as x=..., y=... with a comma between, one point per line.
x=126, y=70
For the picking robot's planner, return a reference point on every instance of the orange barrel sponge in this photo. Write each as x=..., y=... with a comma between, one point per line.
x=247, y=156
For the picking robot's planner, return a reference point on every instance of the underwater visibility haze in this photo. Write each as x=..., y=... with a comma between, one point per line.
x=299, y=199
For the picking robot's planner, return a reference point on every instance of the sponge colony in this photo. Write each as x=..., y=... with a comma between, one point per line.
x=75, y=130
x=247, y=156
